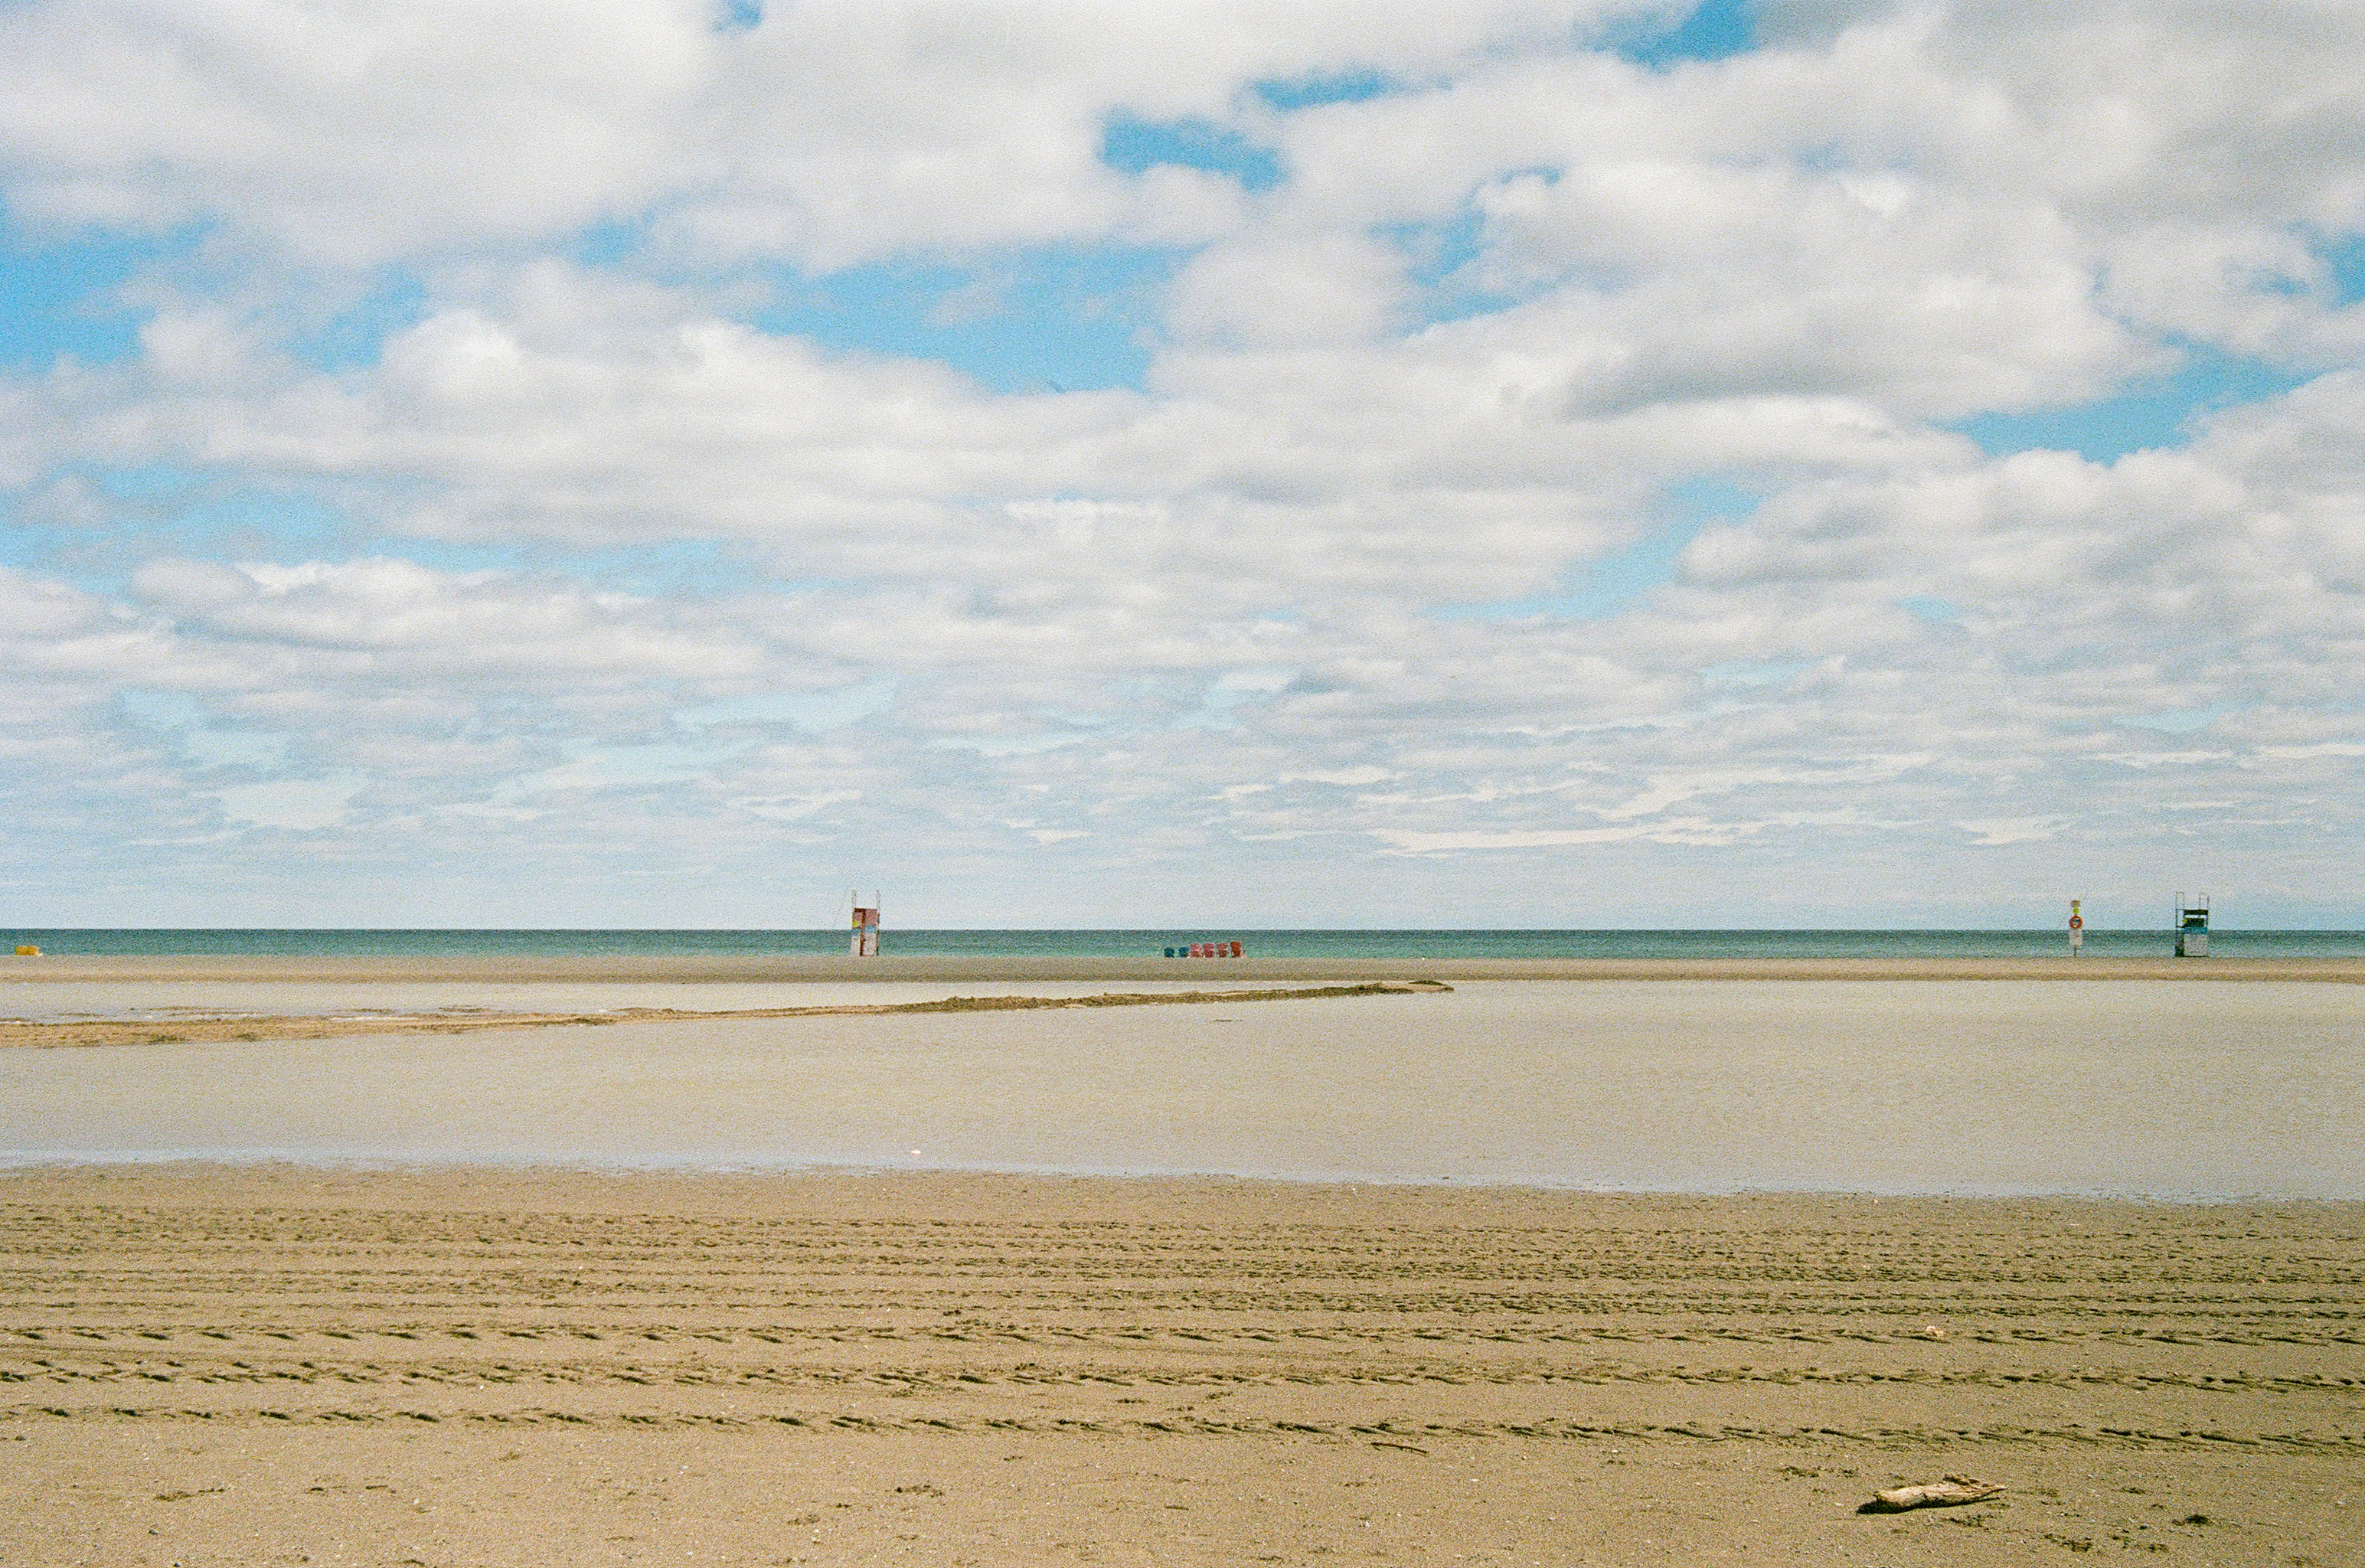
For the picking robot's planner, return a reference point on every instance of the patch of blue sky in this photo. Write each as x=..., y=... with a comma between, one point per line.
x=155, y=509
x=202, y=513
x=201, y=738
x=145, y=511
x=1442, y=261
x=146, y=481
x=1438, y=264
x=2166, y=412
x=1752, y=672
x=161, y=710
x=225, y=518
x=1288, y=93
x=2181, y=721
x=1012, y=745
x=696, y=568
x=353, y=339
x=1936, y=611
x=59, y=298
x=2346, y=262
x=1713, y=29
x=1063, y=319
x=77, y=557
x=611, y=243
x=293, y=805
x=1073, y=719
x=460, y=557
x=738, y=16
x=202, y=504
x=1436, y=252
x=662, y=568
x=1219, y=704
x=811, y=711
x=593, y=765
x=1608, y=586
x=235, y=748
x=1134, y=146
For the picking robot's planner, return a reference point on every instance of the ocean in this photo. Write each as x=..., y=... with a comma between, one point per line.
x=1511, y=943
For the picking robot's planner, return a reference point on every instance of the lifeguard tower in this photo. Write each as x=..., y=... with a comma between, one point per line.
x=866, y=925
x=2192, y=926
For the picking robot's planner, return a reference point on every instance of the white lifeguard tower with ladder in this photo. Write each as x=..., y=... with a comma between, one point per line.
x=866, y=925
x=2192, y=926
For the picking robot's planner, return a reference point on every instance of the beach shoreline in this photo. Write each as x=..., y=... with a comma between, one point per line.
x=789, y=969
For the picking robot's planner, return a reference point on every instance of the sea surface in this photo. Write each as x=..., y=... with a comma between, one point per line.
x=1514, y=944
x=2131, y=1087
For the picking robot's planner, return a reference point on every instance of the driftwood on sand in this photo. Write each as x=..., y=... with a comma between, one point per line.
x=1947, y=1493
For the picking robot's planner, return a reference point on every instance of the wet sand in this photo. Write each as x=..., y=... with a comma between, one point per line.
x=206, y=1365
x=1995, y=1088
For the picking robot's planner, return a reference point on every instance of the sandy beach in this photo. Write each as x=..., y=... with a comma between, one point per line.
x=238, y=1366
x=1568, y=1274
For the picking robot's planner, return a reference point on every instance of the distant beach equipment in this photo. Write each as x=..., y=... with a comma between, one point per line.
x=26, y=950
x=1208, y=950
x=2192, y=926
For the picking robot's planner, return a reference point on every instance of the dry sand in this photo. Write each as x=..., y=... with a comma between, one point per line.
x=209, y=1365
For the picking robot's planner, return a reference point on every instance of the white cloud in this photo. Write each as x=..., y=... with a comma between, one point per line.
x=1289, y=292
x=1998, y=831
x=581, y=564
x=834, y=132
x=1685, y=830
x=393, y=615
x=349, y=131
x=1345, y=777
x=794, y=807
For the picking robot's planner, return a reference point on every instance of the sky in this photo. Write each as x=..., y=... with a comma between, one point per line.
x=1498, y=463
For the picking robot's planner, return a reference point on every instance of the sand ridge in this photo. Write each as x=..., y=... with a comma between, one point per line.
x=189, y=1025
x=514, y=1367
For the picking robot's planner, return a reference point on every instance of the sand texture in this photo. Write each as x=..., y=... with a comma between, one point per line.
x=281, y=1365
